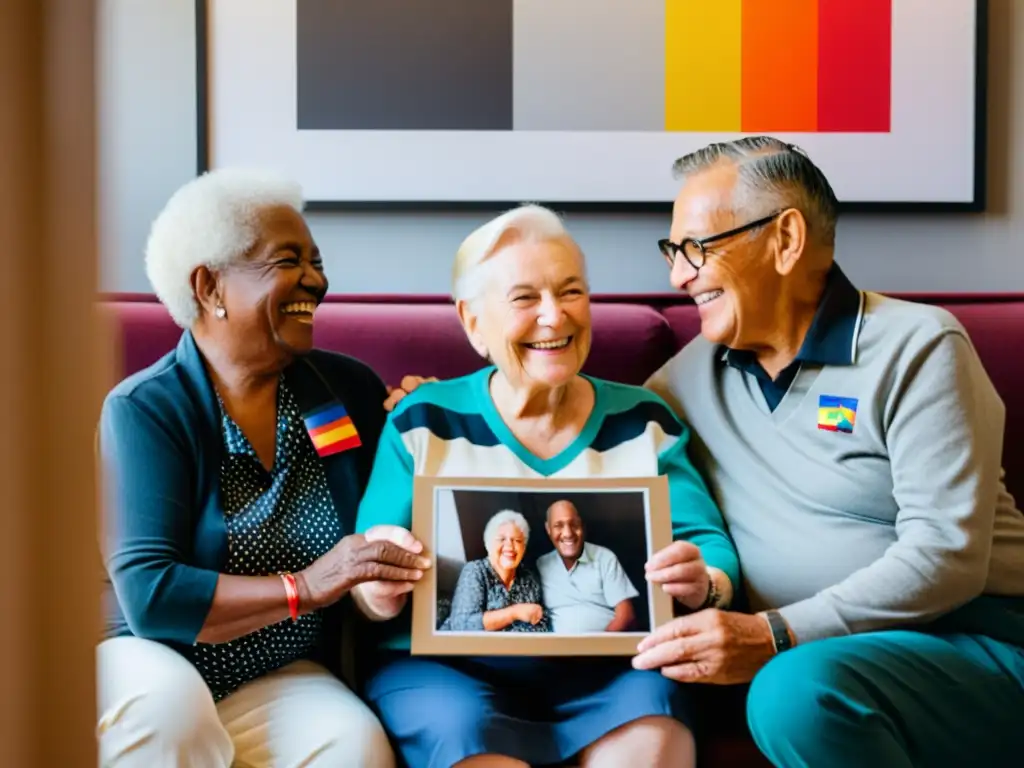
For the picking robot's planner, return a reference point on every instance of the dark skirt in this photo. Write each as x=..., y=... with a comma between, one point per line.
x=543, y=711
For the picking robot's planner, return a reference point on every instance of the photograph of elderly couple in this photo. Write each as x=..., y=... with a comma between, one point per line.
x=563, y=562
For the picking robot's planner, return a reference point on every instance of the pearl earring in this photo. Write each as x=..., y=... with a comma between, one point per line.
x=220, y=311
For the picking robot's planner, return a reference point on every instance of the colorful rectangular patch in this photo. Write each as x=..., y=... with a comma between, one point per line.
x=837, y=414
x=331, y=430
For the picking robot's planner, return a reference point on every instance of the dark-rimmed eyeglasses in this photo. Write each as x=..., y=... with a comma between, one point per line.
x=694, y=249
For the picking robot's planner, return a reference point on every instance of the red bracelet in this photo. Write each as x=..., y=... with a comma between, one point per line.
x=291, y=589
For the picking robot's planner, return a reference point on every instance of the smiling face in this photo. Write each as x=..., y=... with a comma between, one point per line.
x=534, y=313
x=565, y=529
x=506, y=547
x=733, y=288
x=271, y=295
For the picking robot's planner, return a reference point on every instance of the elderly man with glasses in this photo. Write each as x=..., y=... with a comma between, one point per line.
x=854, y=443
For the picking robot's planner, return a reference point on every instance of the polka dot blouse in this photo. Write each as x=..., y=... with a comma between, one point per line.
x=276, y=521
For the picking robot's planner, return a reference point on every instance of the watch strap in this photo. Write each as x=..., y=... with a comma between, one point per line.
x=780, y=631
x=714, y=596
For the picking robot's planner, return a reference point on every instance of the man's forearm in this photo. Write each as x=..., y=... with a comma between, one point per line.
x=623, y=618
x=897, y=589
x=499, y=618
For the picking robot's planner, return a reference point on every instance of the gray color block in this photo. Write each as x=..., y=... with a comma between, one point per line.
x=589, y=65
x=404, y=65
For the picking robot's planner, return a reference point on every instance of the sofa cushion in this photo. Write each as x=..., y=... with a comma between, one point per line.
x=997, y=332
x=145, y=333
x=684, y=322
x=629, y=341
x=398, y=339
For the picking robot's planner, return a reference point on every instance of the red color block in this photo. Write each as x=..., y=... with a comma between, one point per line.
x=341, y=445
x=854, y=65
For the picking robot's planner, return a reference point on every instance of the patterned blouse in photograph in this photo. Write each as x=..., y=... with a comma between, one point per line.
x=498, y=593
x=480, y=591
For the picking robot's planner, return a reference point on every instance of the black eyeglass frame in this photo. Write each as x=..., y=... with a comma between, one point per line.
x=671, y=250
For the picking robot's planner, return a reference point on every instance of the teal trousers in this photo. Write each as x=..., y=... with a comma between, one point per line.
x=897, y=699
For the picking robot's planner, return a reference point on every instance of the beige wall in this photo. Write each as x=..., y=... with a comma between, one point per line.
x=148, y=119
x=50, y=386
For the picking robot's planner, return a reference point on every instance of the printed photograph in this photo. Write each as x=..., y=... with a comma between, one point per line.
x=556, y=562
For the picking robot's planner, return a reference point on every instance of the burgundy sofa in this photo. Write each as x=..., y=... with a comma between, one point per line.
x=632, y=336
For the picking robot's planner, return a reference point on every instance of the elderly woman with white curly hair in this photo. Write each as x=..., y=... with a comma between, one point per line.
x=521, y=292
x=497, y=593
x=233, y=469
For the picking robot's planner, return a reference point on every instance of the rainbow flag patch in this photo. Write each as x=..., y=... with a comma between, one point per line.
x=331, y=430
x=837, y=414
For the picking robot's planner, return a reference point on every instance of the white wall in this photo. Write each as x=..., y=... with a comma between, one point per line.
x=148, y=148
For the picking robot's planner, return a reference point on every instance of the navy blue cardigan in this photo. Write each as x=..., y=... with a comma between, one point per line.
x=164, y=536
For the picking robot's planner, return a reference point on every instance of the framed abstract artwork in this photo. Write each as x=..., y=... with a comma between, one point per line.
x=586, y=104
x=538, y=567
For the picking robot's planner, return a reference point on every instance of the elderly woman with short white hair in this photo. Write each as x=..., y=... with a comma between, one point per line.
x=234, y=466
x=521, y=291
x=497, y=593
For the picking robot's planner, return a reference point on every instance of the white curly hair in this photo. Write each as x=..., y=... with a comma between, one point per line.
x=499, y=519
x=527, y=223
x=210, y=221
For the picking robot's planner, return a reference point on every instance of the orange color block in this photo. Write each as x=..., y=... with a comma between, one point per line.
x=780, y=65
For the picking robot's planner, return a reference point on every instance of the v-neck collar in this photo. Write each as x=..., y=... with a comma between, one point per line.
x=790, y=403
x=558, y=462
x=237, y=444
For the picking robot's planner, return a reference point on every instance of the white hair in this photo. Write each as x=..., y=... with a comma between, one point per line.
x=499, y=519
x=527, y=223
x=210, y=221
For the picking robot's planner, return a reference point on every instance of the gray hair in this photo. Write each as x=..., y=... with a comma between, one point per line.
x=771, y=173
x=499, y=519
x=210, y=221
x=526, y=223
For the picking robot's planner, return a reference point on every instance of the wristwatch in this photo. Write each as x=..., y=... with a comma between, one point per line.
x=780, y=631
x=714, y=595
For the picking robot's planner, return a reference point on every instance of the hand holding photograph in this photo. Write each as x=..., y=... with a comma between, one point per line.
x=538, y=567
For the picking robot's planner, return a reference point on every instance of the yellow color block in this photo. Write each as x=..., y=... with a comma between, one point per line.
x=334, y=435
x=703, y=76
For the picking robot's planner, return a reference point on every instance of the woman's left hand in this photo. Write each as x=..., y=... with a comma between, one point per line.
x=681, y=571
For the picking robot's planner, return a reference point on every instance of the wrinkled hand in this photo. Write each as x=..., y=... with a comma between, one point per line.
x=407, y=386
x=709, y=646
x=383, y=589
x=530, y=613
x=384, y=599
x=355, y=560
x=680, y=570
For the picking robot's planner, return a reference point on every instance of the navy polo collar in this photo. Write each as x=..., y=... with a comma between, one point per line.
x=834, y=332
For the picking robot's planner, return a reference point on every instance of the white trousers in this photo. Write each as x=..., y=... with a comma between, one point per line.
x=156, y=712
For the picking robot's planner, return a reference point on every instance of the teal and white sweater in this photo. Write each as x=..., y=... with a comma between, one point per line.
x=453, y=429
